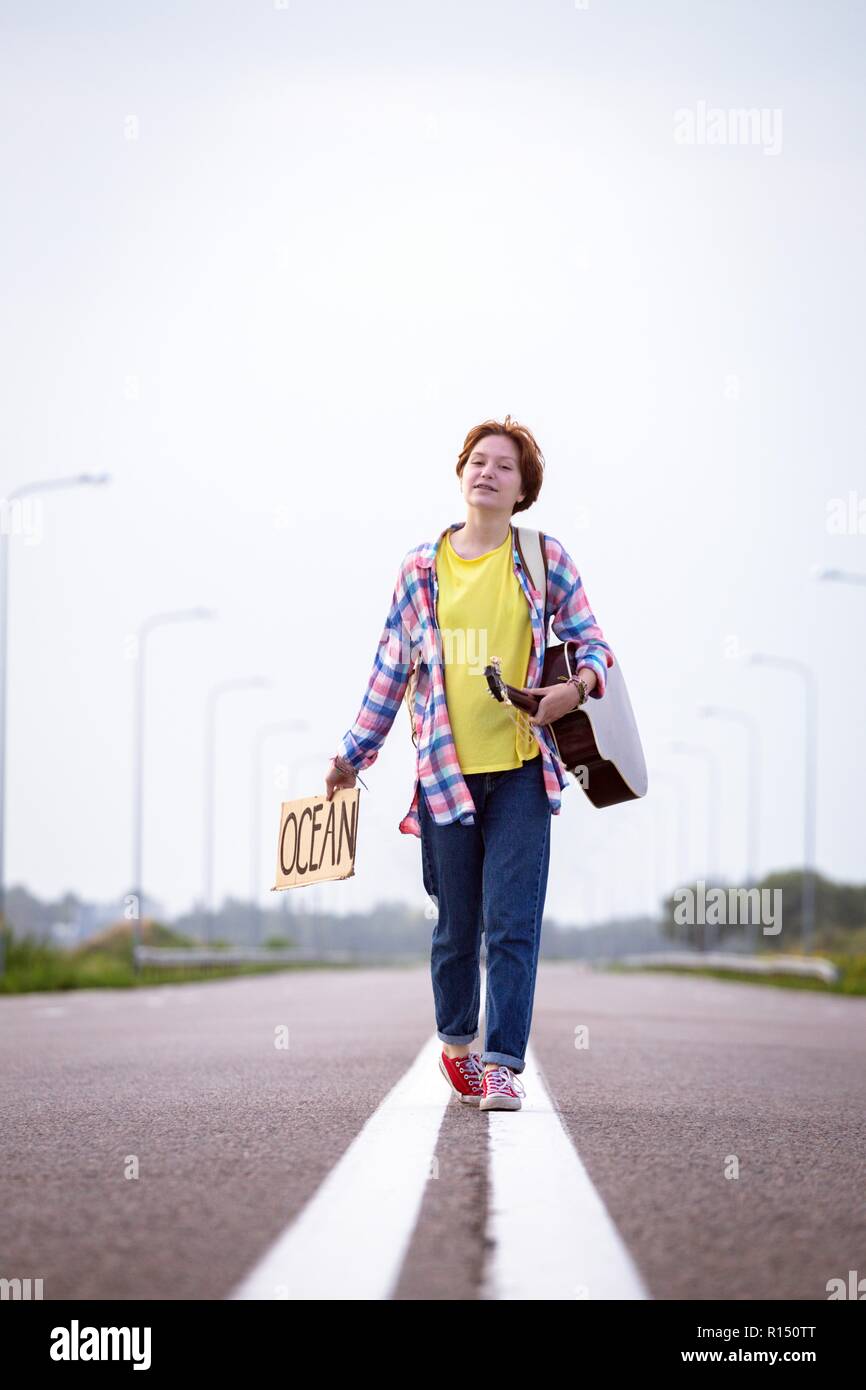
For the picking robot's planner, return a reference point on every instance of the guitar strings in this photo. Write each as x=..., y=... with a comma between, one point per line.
x=523, y=727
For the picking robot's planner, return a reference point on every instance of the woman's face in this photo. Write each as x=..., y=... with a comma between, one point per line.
x=491, y=480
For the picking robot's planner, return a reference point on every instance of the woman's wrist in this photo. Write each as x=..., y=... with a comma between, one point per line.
x=580, y=687
x=343, y=765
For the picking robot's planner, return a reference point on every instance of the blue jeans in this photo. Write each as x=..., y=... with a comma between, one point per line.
x=491, y=874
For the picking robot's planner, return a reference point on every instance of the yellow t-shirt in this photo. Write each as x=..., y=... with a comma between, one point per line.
x=483, y=613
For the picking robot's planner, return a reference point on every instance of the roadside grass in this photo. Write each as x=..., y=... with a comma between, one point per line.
x=106, y=962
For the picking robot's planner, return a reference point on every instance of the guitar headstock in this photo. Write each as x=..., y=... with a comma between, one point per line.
x=495, y=683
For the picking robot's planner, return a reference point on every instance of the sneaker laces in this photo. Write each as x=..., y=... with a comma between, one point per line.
x=473, y=1066
x=503, y=1081
x=469, y=1066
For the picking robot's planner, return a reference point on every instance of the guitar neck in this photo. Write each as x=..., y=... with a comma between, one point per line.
x=517, y=697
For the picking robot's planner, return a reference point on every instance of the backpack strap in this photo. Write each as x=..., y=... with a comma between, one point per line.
x=534, y=558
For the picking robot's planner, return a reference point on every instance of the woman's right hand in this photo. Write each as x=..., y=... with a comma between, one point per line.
x=335, y=780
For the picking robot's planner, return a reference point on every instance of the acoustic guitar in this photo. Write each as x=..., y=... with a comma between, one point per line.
x=599, y=742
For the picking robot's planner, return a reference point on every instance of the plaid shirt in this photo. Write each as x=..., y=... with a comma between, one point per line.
x=411, y=637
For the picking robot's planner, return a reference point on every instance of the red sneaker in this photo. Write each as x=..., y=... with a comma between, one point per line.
x=463, y=1075
x=501, y=1089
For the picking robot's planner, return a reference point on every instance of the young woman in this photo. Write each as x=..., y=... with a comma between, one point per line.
x=488, y=779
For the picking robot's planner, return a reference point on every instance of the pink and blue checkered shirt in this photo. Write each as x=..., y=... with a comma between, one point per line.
x=411, y=635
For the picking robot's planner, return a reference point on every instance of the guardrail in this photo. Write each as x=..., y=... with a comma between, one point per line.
x=814, y=967
x=271, y=955
x=235, y=955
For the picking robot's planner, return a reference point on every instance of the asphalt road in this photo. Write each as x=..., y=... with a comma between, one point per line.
x=708, y=1143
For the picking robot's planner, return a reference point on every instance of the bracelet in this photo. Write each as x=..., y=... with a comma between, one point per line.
x=583, y=693
x=343, y=765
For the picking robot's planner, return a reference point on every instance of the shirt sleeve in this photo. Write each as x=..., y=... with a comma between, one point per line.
x=572, y=618
x=386, y=687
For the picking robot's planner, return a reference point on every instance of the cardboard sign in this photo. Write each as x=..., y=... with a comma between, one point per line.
x=317, y=838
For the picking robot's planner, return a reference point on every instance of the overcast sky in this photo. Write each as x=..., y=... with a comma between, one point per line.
x=266, y=264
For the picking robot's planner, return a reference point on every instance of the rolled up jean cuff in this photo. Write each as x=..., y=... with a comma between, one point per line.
x=468, y=1038
x=502, y=1059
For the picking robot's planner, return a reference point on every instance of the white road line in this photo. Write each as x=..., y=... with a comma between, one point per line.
x=350, y=1240
x=553, y=1236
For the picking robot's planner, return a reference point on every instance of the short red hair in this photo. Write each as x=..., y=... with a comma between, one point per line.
x=530, y=460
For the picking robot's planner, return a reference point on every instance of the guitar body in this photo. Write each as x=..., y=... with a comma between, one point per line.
x=600, y=737
x=599, y=742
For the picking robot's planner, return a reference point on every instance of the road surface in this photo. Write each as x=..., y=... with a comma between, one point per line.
x=708, y=1143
